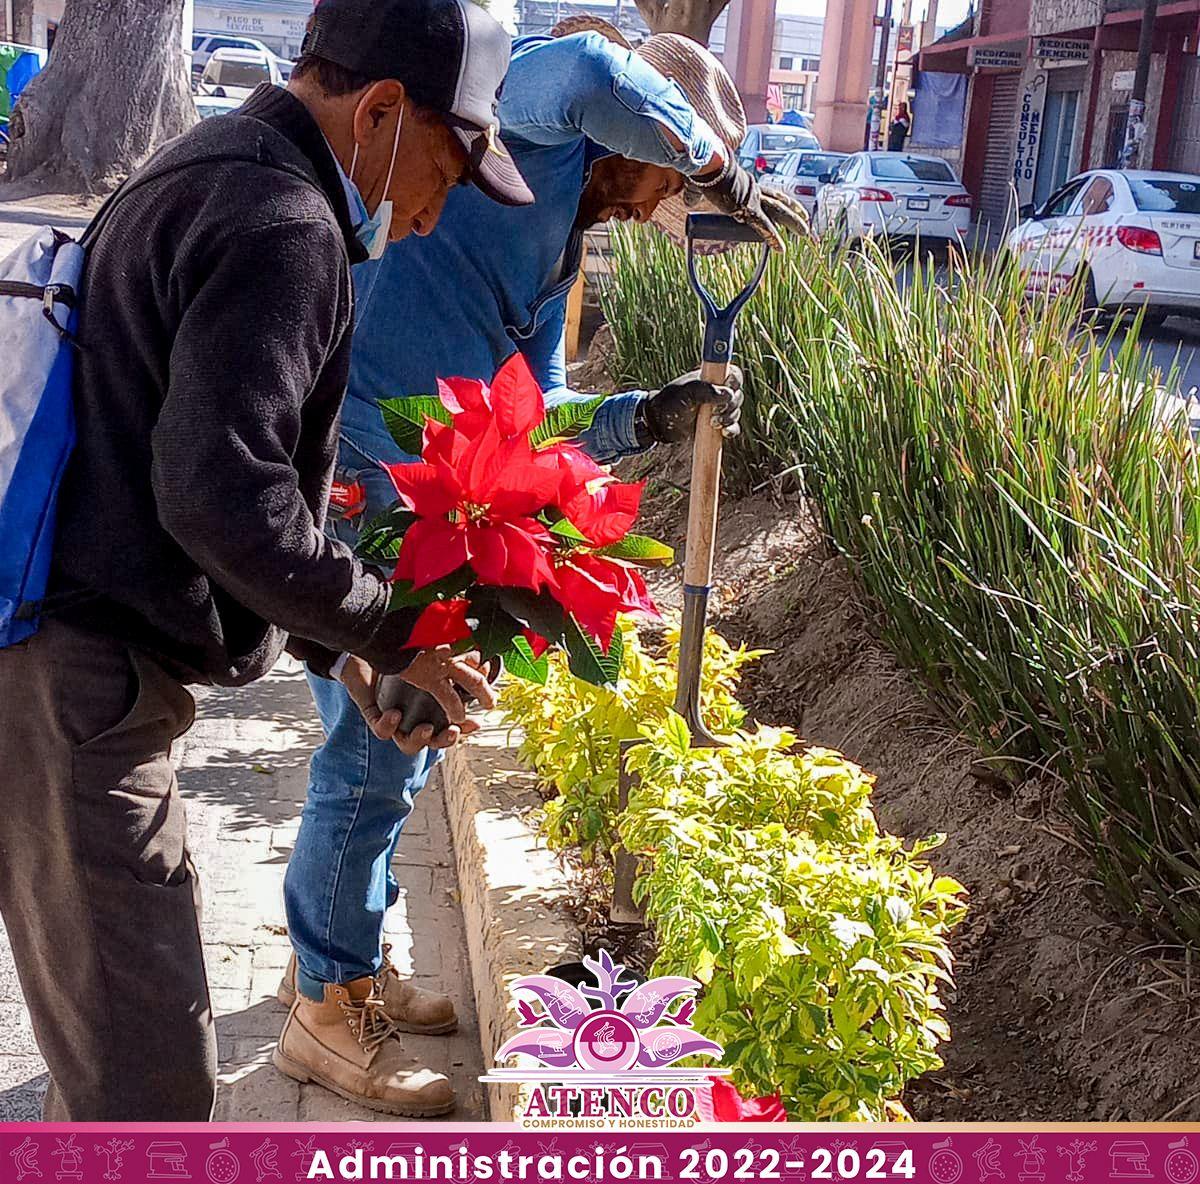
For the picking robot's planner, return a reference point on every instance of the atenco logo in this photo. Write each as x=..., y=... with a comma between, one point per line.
x=607, y=1052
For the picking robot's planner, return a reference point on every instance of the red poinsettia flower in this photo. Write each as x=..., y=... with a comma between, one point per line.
x=599, y=506
x=444, y=622
x=476, y=493
x=719, y=1101
x=595, y=589
x=513, y=400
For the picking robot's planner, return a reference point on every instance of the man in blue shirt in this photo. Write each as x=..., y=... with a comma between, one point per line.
x=598, y=131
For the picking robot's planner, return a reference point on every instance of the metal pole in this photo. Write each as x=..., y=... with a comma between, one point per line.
x=880, y=76
x=1135, y=125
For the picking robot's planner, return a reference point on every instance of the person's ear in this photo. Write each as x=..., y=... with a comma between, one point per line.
x=379, y=104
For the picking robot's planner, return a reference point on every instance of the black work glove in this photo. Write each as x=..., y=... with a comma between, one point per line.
x=669, y=416
x=735, y=192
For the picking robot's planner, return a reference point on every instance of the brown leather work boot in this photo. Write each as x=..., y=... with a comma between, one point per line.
x=410, y=1008
x=348, y=1044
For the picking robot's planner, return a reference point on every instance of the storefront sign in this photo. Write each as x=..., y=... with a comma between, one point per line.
x=1029, y=135
x=213, y=18
x=1123, y=80
x=983, y=57
x=1061, y=49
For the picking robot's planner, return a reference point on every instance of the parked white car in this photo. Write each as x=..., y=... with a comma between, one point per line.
x=204, y=45
x=234, y=73
x=1134, y=237
x=799, y=175
x=766, y=144
x=894, y=195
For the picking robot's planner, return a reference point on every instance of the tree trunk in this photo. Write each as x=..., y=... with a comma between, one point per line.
x=115, y=88
x=692, y=18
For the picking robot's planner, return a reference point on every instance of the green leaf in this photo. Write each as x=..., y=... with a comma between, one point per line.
x=640, y=549
x=565, y=420
x=520, y=663
x=405, y=596
x=496, y=628
x=676, y=732
x=565, y=529
x=586, y=660
x=381, y=537
x=405, y=419
x=537, y=611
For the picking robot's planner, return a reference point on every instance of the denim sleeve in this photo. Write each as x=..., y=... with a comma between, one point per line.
x=612, y=434
x=585, y=85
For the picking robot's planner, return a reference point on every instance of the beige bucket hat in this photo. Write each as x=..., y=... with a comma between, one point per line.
x=705, y=83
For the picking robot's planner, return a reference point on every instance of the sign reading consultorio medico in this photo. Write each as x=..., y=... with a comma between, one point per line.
x=1029, y=134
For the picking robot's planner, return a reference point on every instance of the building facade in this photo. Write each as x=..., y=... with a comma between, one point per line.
x=34, y=22
x=278, y=24
x=795, y=55
x=1049, y=89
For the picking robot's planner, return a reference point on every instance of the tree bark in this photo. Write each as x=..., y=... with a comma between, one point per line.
x=115, y=88
x=692, y=18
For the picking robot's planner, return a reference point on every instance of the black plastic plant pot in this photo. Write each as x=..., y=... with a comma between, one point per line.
x=418, y=706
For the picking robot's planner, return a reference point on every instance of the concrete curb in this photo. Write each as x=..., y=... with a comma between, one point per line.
x=512, y=888
x=35, y=216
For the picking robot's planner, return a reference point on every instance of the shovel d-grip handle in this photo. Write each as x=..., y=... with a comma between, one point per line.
x=706, y=464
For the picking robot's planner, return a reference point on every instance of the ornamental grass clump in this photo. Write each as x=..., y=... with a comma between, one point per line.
x=821, y=942
x=1005, y=481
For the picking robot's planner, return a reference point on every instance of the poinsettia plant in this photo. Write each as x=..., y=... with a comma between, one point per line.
x=508, y=537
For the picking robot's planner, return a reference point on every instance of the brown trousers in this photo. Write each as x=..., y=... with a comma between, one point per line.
x=97, y=890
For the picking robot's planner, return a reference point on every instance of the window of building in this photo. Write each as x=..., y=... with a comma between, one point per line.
x=785, y=62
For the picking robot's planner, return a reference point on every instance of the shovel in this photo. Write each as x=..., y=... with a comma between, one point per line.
x=706, y=464
x=702, y=522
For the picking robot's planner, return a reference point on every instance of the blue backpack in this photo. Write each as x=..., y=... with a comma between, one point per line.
x=39, y=283
x=39, y=308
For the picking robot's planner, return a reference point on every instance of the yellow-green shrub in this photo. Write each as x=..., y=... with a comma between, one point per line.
x=820, y=940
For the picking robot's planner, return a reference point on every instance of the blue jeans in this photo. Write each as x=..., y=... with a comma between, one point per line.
x=360, y=791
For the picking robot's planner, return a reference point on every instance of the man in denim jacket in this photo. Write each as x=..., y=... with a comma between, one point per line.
x=598, y=131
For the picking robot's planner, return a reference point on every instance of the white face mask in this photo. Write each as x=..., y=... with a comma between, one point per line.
x=372, y=231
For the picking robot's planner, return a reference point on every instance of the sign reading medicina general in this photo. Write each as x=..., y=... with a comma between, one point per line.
x=983, y=57
x=1062, y=49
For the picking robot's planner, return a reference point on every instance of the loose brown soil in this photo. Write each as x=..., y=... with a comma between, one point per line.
x=1060, y=1013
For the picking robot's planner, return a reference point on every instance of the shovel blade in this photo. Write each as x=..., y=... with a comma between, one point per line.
x=691, y=662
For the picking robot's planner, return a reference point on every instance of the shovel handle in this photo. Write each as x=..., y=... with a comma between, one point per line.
x=706, y=487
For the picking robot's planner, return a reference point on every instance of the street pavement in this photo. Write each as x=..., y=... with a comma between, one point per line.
x=1178, y=338
x=243, y=772
x=18, y=223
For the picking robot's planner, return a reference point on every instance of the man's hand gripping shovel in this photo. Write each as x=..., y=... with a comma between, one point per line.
x=702, y=517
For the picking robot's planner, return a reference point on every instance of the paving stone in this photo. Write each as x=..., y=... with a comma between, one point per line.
x=16, y=1032
x=227, y=966
x=22, y=1086
x=264, y=982
x=257, y=1092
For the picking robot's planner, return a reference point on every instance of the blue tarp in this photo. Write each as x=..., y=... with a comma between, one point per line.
x=938, y=108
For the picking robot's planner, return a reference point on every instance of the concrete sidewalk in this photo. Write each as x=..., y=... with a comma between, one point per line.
x=243, y=770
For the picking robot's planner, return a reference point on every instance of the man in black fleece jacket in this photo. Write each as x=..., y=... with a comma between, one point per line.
x=215, y=336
